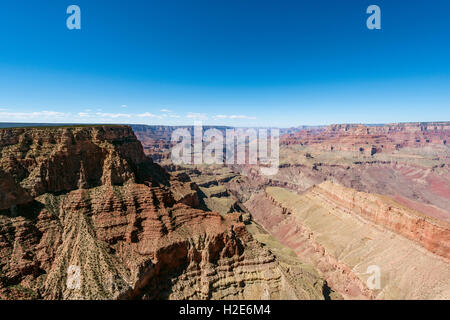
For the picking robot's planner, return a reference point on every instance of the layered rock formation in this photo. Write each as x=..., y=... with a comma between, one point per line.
x=433, y=234
x=363, y=195
x=343, y=233
x=372, y=139
x=84, y=214
x=157, y=140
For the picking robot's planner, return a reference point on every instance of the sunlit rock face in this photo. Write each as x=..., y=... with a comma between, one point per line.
x=344, y=233
x=84, y=214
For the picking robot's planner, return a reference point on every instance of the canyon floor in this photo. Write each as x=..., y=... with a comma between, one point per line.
x=101, y=212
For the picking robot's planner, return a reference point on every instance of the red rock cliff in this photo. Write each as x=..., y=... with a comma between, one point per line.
x=87, y=202
x=372, y=139
x=432, y=234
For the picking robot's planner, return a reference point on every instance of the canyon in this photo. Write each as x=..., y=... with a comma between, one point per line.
x=108, y=200
x=327, y=228
x=390, y=181
x=88, y=197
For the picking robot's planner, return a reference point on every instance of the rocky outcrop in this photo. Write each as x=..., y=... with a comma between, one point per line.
x=432, y=234
x=282, y=224
x=392, y=212
x=87, y=215
x=418, y=183
x=157, y=140
x=372, y=139
x=43, y=160
x=342, y=242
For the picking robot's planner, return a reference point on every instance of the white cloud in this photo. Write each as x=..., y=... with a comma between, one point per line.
x=7, y=115
x=113, y=115
x=198, y=116
x=232, y=117
x=242, y=117
x=50, y=114
x=221, y=116
x=147, y=115
x=124, y=106
x=88, y=115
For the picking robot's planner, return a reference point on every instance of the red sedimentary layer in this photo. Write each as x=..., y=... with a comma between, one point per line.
x=284, y=227
x=372, y=139
x=432, y=234
x=89, y=197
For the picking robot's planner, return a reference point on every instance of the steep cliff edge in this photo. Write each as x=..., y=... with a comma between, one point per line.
x=84, y=214
x=342, y=240
x=431, y=233
x=372, y=139
x=61, y=159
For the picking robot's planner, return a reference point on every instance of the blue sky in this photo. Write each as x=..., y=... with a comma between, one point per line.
x=233, y=62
